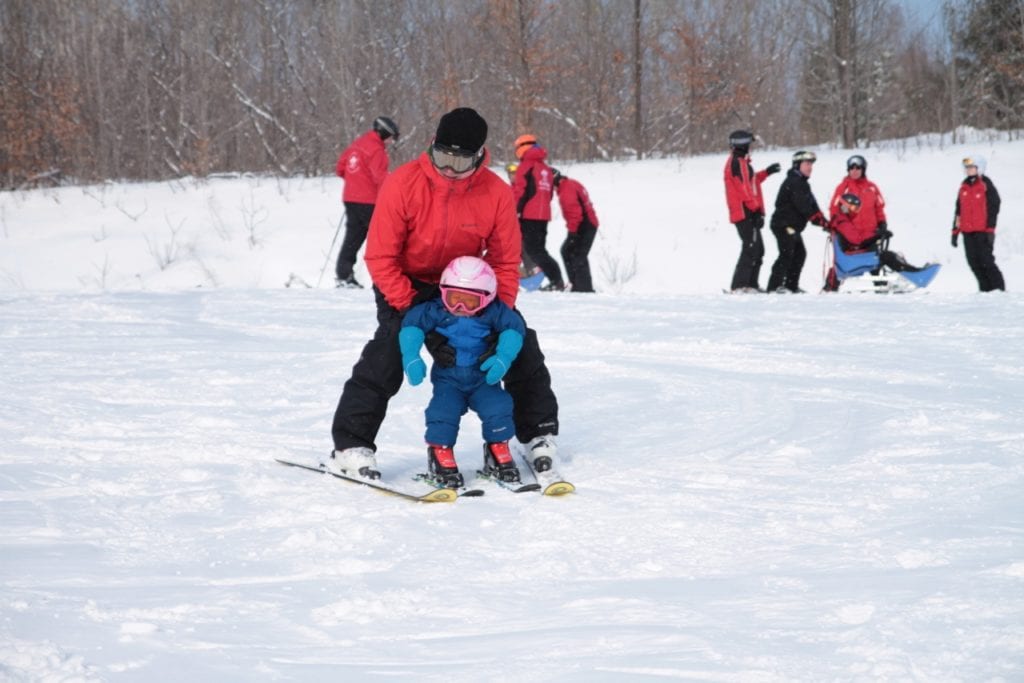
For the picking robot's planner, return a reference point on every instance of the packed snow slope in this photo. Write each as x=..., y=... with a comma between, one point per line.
x=816, y=487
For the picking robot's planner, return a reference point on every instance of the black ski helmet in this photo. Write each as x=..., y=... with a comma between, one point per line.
x=741, y=139
x=385, y=127
x=858, y=161
x=849, y=203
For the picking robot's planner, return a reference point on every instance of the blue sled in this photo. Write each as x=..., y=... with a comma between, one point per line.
x=859, y=263
x=532, y=283
x=923, y=278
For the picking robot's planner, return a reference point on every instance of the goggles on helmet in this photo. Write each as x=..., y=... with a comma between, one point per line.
x=456, y=299
x=969, y=161
x=856, y=162
x=849, y=203
x=804, y=156
x=458, y=160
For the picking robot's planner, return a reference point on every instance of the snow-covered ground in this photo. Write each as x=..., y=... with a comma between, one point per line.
x=818, y=487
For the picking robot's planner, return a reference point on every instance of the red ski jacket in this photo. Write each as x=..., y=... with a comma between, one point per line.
x=852, y=232
x=977, y=206
x=533, y=186
x=872, y=204
x=364, y=165
x=423, y=220
x=743, y=188
x=575, y=203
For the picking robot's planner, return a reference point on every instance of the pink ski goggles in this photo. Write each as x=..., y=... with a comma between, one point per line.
x=469, y=301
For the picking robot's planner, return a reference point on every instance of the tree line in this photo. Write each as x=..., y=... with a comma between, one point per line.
x=156, y=89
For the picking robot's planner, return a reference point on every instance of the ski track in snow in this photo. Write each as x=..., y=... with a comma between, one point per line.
x=778, y=488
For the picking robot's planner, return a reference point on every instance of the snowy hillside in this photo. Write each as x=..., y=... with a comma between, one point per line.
x=776, y=488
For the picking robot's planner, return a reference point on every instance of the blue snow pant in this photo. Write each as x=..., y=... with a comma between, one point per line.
x=458, y=389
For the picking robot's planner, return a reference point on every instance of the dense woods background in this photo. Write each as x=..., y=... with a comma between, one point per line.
x=151, y=89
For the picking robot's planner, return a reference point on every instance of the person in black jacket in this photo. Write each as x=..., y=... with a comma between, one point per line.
x=795, y=205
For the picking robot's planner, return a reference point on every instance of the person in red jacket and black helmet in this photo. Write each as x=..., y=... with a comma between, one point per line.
x=870, y=218
x=977, y=208
x=532, y=189
x=444, y=204
x=363, y=165
x=581, y=223
x=746, y=209
x=795, y=205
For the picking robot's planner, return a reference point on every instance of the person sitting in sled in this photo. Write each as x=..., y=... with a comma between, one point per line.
x=470, y=315
x=854, y=236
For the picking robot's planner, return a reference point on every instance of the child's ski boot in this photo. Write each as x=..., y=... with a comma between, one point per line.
x=498, y=462
x=442, y=466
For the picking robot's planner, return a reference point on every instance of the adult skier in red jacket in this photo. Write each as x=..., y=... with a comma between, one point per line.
x=363, y=166
x=533, y=188
x=581, y=224
x=977, y=209
x=746, y=209
x=870, y=219
x=444, y=204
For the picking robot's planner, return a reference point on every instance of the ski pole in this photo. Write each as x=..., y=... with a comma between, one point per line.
x=331, y=250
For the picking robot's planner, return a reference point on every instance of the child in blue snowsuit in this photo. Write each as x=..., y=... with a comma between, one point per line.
x=470, y=383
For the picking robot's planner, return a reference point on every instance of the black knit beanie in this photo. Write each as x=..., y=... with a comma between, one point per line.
x=462, y=129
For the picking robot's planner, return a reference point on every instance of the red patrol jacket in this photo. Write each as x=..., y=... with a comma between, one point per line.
x=575, y=203
x=423, y=220
x=851, y=231
x=363, y=165
x=872, y=204
x=743, y=188
x=533, y=185
x=977, y=206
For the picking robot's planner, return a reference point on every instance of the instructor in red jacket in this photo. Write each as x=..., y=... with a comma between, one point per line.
x=363, y=166
x=581, y=224
x=533, y=188
x=444, y=204
x=977, y=210
x=746, y=209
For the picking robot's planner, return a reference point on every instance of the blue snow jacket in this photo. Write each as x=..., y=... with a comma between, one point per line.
x=467, y=335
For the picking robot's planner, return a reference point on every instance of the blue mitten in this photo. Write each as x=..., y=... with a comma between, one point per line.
x=509, y=344
x=410, y=339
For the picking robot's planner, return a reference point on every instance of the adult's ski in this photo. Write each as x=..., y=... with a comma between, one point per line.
x=550, y=482
x=437, y=495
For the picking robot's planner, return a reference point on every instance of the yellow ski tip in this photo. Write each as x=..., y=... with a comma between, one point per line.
x=440, y=496
x=559, y=488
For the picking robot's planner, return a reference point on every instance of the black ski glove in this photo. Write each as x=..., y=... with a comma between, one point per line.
x=757, y=220
x=882, y=231
x=774, y=168
x=439, y=349
x=954, y=239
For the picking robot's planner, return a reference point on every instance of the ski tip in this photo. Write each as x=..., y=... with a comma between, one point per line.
x=559, y=488
x=440, y=496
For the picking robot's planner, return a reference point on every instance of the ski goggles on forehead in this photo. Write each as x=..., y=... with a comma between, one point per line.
x=468, y=300
x=969, y=161
x=458, y=160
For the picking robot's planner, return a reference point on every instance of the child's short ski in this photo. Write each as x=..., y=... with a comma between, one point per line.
x=513, y=486
x=438, y=495
x=462, y=490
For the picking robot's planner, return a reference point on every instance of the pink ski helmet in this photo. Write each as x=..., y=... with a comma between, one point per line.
x=468, y=284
